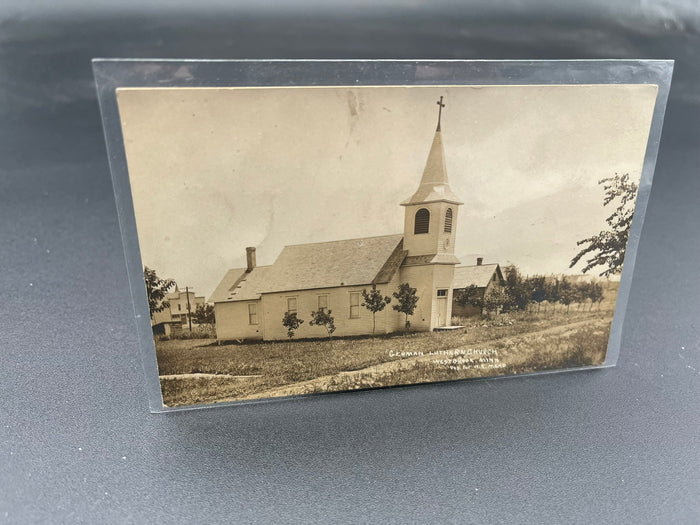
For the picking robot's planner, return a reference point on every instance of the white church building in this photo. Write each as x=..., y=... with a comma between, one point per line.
x=250, y=303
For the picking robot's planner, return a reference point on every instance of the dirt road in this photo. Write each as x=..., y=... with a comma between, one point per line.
x=365, y=377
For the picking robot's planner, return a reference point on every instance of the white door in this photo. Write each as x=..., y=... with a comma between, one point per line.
x=442, y=307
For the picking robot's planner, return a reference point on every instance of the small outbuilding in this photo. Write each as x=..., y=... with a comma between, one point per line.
x=481, y=278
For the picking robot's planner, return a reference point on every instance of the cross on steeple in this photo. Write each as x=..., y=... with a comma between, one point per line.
x=439, y=103
x=434, y=185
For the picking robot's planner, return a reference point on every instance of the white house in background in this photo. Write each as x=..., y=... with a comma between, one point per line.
x=250, y=303
x=174, y=318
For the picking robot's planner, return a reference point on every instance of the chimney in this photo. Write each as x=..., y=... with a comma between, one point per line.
x=250, y=256
x=479, y=261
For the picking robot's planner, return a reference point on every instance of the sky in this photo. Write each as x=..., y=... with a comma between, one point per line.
x=214, y=170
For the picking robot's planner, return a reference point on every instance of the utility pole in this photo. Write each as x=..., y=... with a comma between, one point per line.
x=189, y=309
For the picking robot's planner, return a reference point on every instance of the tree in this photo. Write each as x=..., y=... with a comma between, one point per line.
x=204, y=314
x=553, y=294
x=566, y=293
x=538, y=290
x=494, y=300
x=595, y=294
x=323, y=318
x=291, y=322
x=607, y=249
x=470, y=296
x=582, y=292
x=406, y=301
x=516, y=289
x=375, y=302
x=156, y=289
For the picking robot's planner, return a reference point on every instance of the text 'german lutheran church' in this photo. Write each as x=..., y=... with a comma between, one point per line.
x=250, y=303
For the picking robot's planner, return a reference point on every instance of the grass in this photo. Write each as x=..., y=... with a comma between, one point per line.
x=523, y=342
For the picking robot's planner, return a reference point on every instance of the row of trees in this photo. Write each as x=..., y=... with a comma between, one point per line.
x=605, y=249
x=523, y=293
x=373, y=300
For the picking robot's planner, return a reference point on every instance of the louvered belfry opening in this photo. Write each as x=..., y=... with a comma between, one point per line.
x=448, y=220
x=422, y=224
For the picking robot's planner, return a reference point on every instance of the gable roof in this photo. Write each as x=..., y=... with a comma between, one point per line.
x=477, y=275
x=365, y=261
x=330, y=264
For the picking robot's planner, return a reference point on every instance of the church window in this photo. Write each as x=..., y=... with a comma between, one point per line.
x=422, y=224
x=252, y=313
x=354, y=305
x=448, y=220
x=292, y=305
x=322, y=303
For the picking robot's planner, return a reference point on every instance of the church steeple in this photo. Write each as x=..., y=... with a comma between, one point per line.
x=430, y=229
x=434, y=185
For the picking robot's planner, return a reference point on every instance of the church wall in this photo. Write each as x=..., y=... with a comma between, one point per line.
x=427, y=280
x=274, y=306
x=232, y=321
x=421, y=278
x=395, y=321
x=232, y=318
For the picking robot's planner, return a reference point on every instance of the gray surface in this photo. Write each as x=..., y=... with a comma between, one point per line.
x=76, y=439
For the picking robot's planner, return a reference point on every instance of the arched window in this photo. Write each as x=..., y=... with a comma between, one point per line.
x=422, y=221
x=448, y=220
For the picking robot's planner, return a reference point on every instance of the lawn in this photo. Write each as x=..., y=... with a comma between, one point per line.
x=507, y=344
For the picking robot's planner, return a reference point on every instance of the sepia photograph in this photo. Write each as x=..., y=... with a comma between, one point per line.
x=302, y=240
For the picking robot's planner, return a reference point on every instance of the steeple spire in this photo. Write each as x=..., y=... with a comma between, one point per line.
x=434, y=185
x=439, y=103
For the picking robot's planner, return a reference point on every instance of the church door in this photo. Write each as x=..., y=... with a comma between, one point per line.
x=442, y=307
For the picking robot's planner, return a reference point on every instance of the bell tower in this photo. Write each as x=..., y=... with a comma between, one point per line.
x=431, y=213
x=430, y=227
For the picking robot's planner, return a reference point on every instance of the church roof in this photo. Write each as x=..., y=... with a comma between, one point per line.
x=221, y=292
x=330, y=264
x=434, y=185
x=478, y=275
x=352, y=262
x=240, y=285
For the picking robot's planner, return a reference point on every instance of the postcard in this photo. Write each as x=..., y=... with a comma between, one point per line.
x=301, y=239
